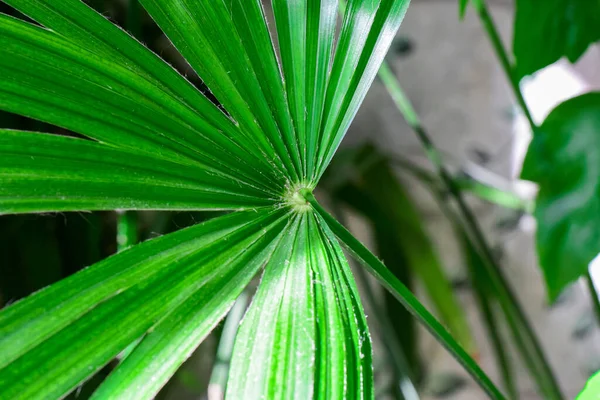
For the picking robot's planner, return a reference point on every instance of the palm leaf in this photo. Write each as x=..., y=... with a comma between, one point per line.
x=41, y=172
x=159, y=143
x=55, y=339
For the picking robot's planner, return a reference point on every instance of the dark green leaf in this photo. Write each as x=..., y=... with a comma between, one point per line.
x=564, y=159
x=546, y=30
x=305, y=333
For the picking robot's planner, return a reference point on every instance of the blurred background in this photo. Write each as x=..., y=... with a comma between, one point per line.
x=451, y=75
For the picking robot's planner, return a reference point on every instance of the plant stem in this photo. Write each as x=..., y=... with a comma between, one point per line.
x=593, y=294
x=220, y=372
x=524, y=334
x=479, y=279
x=404, y=296
x=492, y=32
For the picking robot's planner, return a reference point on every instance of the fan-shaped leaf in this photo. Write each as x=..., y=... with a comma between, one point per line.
x=205, y=34
x=41, y=172
x=71, y=87
x=54, y=339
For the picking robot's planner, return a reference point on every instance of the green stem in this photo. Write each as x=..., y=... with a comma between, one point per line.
x=220, y=372
x=472, y=186
x=492, y=32
x=524, y=334
x=479, y=279
x=404, y=296
x=593, y=294
x=497, y=345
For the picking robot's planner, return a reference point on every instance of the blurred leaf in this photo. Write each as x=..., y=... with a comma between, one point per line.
x=591, y=391
x=56, y=338
x=486, y=298
x=564, y=159
x=546, y=30
x=305, y=332
x=445, y=384
x=462, y=8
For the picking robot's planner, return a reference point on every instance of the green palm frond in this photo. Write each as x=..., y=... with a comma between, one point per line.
x=156, y=142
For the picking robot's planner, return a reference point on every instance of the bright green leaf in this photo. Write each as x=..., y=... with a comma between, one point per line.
x=367, y=33
x=56, y=338
x=402, y=294
x=564, y=159
x=305, y=333
x=205, y=34
x=591, y=391
x=546, y=30
x=41, y=172
x=73, y=88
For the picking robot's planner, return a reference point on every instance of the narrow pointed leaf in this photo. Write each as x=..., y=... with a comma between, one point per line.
x=401, y=292
x=249, y=19
x=56, y=338
x=71, y=87
x=42, y=172
x=172, y=341
x=367, y=32
x=306, y=30
x=76, y=22
x=205, y=34
x=305, y=334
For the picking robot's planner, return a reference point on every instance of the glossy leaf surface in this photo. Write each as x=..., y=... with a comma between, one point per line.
x=564, y=159
x=158, y=143
x=41, y=172
x=54, y=339
x=305, y=332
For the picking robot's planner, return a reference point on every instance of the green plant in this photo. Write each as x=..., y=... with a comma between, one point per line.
x=158, y=143
x=254, y=142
